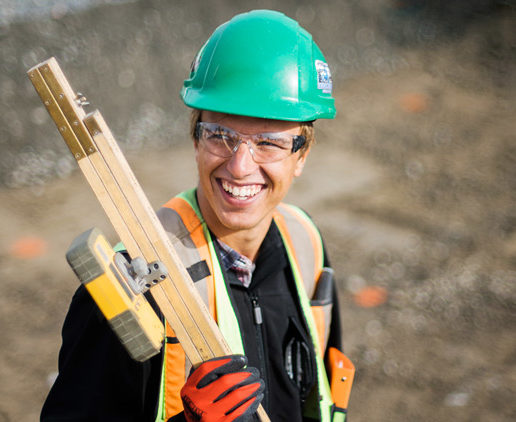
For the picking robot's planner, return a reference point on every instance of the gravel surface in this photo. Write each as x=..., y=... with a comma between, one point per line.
x=413, y=185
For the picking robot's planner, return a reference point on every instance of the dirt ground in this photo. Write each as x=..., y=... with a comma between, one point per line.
x=413, y=187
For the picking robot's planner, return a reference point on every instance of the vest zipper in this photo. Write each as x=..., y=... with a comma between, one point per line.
x=258, y=321
x=257, y=311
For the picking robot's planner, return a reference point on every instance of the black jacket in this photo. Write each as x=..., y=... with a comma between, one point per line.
x=99, y=381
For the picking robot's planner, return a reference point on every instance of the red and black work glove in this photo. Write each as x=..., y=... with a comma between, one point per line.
x=222, y=389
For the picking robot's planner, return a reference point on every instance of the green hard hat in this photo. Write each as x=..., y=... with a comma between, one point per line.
x=261, y=64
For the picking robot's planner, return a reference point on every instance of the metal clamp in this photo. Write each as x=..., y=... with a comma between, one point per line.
x=81, y=100
x=140, y=275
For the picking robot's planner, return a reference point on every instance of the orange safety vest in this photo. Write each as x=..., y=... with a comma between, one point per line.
x=188, y=232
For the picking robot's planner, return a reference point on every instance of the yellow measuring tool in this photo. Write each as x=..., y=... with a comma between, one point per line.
x=107, y=277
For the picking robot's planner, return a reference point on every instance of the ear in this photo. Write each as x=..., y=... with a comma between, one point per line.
x=300, y=164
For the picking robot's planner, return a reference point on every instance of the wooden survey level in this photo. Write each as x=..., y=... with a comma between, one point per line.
x=127, y=207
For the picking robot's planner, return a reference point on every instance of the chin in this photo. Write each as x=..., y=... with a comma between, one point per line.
x=244, y=221
x=237, y=224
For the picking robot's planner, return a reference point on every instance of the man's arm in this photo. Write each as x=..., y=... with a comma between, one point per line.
x=97, y=378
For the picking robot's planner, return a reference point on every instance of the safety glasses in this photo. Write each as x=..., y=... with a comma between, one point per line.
x=264, y=147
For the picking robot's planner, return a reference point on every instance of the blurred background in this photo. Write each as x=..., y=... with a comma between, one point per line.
x=413, y=185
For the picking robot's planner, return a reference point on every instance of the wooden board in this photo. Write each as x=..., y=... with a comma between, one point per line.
x=100, y=159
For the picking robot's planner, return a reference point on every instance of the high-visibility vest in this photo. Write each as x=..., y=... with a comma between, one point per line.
x=192, y=240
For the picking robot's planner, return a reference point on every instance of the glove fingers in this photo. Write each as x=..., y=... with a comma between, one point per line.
x=231, y=406
x=212, y=369
x=238, y=380
x=222, y=389
x=237, y=389
x=236, y=398
x=245, y=412
x=224, y=385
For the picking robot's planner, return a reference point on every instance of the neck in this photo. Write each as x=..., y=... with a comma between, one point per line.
x=243, y=237
x=245, y=242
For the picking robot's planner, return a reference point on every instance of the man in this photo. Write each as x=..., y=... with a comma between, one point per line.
x=255, y=88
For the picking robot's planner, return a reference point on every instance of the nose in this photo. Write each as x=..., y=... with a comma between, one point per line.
x=241, y=162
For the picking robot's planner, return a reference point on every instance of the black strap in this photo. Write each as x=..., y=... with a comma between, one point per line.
x=199, y=270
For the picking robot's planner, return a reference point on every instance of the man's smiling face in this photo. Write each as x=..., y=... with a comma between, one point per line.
x=236, y=193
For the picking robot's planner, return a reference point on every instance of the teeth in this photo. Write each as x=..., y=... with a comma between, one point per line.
x=241, y=192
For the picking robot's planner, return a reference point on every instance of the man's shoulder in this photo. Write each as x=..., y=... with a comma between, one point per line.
x=181, y=215
x=291, y=212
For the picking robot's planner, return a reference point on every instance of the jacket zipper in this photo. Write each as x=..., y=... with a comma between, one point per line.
x=258, y=321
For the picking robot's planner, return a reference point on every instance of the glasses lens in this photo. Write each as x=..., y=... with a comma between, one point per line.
x=269, y=147
x=265, y=147
x=218, y=140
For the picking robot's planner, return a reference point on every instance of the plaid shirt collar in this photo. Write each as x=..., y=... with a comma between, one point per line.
x=240, y=265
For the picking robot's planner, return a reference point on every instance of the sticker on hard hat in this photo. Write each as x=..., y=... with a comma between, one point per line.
x=324, y=81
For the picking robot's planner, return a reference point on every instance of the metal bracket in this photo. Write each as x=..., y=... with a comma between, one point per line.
x=81, y=100
x=140, y=275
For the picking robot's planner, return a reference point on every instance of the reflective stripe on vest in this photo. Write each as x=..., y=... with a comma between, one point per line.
x=302, y=232
x=304, y=287
x=190, y=236
x=186, y=206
